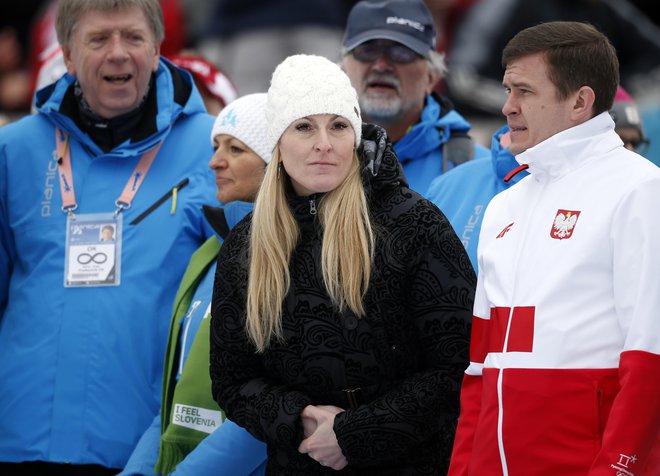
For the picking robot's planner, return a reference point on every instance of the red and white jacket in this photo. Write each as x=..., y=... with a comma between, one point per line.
x=564, y=375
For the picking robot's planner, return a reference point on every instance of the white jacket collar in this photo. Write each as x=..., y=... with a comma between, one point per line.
x=569, y=149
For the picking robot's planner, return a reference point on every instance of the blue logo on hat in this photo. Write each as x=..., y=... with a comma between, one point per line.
x=229, y=119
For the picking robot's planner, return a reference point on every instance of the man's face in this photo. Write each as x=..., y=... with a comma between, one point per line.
x=533, y=110
x=389, y=90
x=113, y=54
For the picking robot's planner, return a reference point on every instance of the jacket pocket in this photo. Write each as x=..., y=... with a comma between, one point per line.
x=160, y=201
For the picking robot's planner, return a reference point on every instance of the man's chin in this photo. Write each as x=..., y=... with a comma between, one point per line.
x=380, y=109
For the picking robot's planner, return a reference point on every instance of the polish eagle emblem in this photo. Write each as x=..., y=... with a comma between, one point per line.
x=564, y=224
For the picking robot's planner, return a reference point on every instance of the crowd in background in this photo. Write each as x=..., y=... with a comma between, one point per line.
x=334, y=288
x=246, y=40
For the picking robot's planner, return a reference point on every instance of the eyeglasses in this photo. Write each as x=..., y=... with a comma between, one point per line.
x=396, y=53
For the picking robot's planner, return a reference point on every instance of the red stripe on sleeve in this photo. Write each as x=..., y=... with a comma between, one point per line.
x=479, y=339
x=521, y=333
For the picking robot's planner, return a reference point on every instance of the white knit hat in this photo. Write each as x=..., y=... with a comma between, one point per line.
x=245, y=119
x=304, y=85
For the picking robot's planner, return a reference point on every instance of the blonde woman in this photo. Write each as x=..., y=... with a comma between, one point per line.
x=341, y=307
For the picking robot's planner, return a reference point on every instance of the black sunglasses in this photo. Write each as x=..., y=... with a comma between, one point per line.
x=396, y=53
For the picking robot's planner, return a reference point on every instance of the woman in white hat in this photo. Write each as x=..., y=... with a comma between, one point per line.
x=191, y=435
x=341, y=310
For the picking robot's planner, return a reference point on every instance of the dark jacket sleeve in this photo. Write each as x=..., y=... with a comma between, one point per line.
x=438, y=285
x=269, y=412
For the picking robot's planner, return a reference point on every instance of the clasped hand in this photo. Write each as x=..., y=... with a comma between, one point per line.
x=320, y=441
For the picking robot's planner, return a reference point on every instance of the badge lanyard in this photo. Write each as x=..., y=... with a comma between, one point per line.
x=93, y=241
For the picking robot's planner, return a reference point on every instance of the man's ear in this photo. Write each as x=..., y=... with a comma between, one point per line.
x=584, y=103
x=434, y=78
x=68, y=61
x=156, y=59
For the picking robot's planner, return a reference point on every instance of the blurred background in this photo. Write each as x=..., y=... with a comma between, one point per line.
x=245, y=39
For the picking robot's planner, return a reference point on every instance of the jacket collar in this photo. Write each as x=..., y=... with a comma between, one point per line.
x=434, y=128
x=503, y=161
x=175, y=96
x=570, y=149
x=223, y=218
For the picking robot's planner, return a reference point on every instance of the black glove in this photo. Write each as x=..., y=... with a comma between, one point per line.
x=374, y=140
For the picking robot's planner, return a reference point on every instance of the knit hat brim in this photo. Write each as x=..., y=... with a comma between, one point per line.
x=305, y=85
x=245, y=119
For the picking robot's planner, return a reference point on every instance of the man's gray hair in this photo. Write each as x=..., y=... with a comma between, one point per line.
x=69, y=11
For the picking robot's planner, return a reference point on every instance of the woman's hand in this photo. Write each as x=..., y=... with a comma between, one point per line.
x=320, y=441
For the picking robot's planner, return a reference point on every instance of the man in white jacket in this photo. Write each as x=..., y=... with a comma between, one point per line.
x=565, y=352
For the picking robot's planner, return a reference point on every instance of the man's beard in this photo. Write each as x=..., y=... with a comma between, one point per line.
x=381, y=107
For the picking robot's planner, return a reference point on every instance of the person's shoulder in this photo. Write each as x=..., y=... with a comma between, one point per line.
x=419, y=206
x=239, y=235
x=23, y=123
x=644, y=164
x=481, y=152
x=634, y=171
x=200, y=119
x=465, y=175
x=476, y=165
x=27, y=132
x=193, y=135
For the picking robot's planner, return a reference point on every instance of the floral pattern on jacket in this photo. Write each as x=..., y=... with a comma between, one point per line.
x=407, y=355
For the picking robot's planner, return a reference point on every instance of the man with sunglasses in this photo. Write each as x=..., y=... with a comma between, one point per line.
x=389, y=55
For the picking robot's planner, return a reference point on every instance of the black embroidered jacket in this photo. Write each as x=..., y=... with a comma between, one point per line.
x=397, y=371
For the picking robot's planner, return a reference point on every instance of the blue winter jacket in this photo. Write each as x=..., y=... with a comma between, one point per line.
x=230, y=449
x=463, y=193
x=81, y=369
x=421, y=150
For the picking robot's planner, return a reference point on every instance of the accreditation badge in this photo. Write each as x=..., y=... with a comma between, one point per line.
x=93, y=250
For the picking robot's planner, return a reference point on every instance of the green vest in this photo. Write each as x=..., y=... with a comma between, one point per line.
x=188, y=401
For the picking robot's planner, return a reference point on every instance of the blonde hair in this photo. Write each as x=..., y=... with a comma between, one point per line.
x=346, y=254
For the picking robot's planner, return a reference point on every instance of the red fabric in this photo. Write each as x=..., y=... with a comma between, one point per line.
x=488, y=335
x=552, y=422
x=176, y=36
x=569, y=422
x=521, y=333
x=208, y=76
x=634, y=422
x=622, y=95
x=470, y=409
x=479, y=339
x=42, y=36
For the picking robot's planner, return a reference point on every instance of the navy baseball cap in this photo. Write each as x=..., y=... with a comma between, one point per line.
x=408, y=22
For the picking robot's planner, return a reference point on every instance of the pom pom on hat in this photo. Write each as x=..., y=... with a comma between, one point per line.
x=304, y=85
x=245, y=119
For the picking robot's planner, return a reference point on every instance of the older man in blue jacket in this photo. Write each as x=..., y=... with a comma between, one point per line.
x=121, y=140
